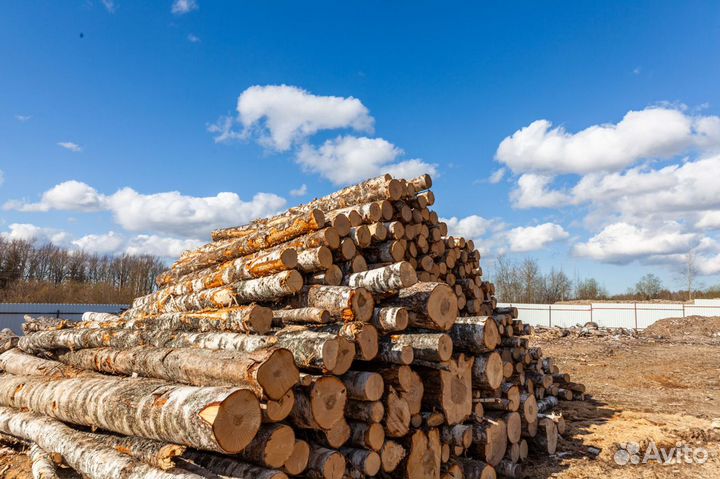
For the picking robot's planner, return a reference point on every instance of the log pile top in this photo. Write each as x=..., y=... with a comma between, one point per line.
x=349, y=337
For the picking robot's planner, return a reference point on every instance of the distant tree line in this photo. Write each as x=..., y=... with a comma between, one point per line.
x=524, y=282
x=32, y=272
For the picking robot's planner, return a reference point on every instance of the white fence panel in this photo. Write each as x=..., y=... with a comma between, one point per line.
x=610, y=315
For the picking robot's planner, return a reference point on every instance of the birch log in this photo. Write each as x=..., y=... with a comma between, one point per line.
x=475, y=334
x=342, y=302
x=321, y=405
x=298, y=460
x=267, y=288
x=388, y=320
x=43, y=466
x=389, y=278
x=269, y=371
x=300, y=315
x=263, y=263
x=78, y=449
x=242, y=319
x=292, y=219
x=8, y=340
x=214, y=418
x=228, y=249
x=19, y=363
x=363, y=385
x=426, y=346
x=271, y=446
x=325, y=463
x=363, y=335
x=223, y=467
x=450, y=390
x=435, y=305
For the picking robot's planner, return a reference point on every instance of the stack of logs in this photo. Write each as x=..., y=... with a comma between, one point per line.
x=345, y=338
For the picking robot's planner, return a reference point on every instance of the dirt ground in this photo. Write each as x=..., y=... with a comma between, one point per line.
x=661, y=386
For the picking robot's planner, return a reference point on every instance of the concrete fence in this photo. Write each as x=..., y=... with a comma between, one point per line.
x=11, y=314
x=635, y=315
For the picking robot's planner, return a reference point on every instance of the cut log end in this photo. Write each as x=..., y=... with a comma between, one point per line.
x=293, y=280
x=289, y=258
x=275, y=411
x=236, y=420
x=443, y=306
x=259, y=319
x=367, y=342
x=345, y=355
x=278, y=374
x=277, y=447
x=298, y=460
x=328, y=398
x=362, y=304
x=445, y=347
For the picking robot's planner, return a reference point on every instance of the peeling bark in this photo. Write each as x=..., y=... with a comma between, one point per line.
x=43, y=466
x=342, y=302
x=214, y=418
x=300, y=315
x=269, y=371
x=78, y=449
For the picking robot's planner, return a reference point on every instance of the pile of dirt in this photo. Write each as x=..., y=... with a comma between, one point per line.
x=688, y=327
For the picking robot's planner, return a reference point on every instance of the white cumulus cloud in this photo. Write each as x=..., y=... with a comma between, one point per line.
x=282, y=115
x=532, y=238
x=709, y=220
x=487, y=234
x=30, y=232
x=167, y=213
x=347, y=159
x=533, y=192
x=160, y=246
x=108, y=243
x=68, y=196
x=646, y=134
x=622, y=243
x=178, y=214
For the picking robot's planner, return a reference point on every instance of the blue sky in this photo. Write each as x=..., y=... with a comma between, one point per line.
x=132, y=90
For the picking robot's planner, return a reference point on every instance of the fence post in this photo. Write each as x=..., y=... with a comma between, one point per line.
x=683, y=306
x=635, y=316
x=550, y=315
x=57, y=314
x=591, y=314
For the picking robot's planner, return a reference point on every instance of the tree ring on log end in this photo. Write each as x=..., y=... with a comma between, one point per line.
x=237, y=421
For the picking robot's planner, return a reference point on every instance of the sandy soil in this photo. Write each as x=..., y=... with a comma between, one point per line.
x=643, y=389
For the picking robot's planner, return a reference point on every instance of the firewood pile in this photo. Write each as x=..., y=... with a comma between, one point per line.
x=349, y=337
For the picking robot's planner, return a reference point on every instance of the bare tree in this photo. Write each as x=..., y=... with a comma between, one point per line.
x=589, y=288
x=690, y=273
x=649, y=286
x=557, y=287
